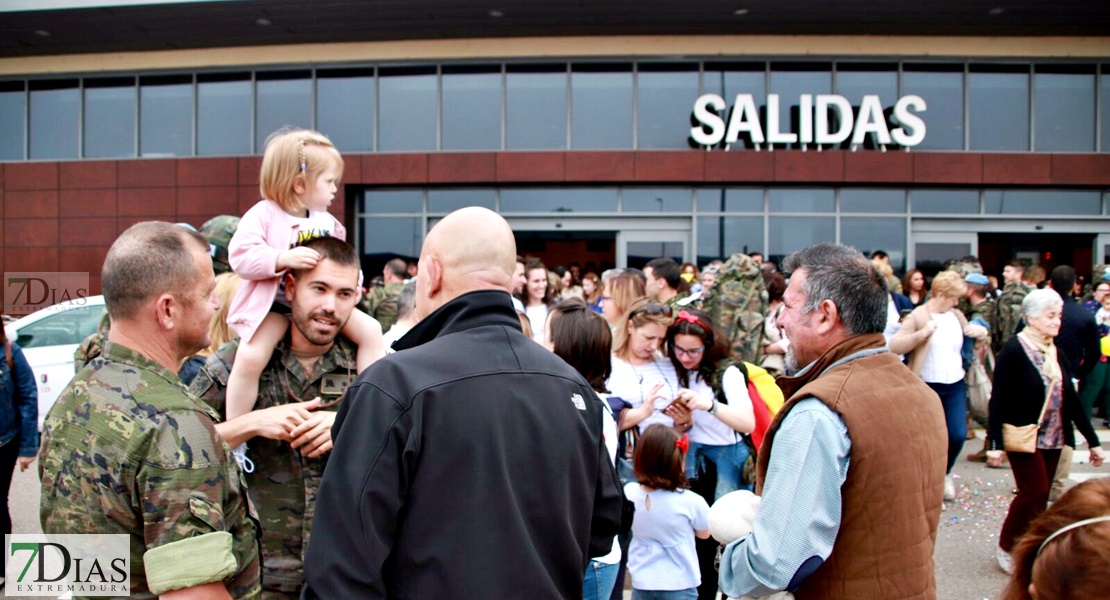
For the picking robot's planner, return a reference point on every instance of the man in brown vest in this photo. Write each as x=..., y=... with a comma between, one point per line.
x=852, y=469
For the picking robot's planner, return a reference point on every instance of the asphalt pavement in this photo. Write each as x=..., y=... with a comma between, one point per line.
x=967, y=536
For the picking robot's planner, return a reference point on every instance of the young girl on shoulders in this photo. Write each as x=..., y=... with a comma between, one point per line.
x=298, y=181
x=661, y=556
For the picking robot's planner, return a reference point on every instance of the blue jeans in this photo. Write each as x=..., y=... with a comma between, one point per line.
x=690, y=594
x=729, y=461
x=600, y=579
x=953, y=397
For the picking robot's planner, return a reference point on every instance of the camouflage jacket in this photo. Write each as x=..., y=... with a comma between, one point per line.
x=1007, y=313
x=381, y=303
x=284, y=483
x=127, y=450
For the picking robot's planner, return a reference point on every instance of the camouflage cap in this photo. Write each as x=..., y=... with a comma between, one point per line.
x=218, y=231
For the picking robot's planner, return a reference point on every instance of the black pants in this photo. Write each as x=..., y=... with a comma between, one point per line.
x=9, y=453
x=705, y=486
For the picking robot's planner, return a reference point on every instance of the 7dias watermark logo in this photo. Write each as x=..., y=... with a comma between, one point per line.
x=79, y=565
x=27, y=292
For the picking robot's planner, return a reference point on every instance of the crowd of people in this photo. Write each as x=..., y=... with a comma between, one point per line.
x=478, y=425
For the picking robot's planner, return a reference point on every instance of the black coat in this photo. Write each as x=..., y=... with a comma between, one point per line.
x=1019, y=393
x=470, y=464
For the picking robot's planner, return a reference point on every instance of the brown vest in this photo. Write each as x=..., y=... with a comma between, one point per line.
x=892, y=495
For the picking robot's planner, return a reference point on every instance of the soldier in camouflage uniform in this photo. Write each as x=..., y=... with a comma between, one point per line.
x=219, y=230
x=381, y=301
x=287, y=472
x=664, y=282
x=126, y=449
x=1008, y=307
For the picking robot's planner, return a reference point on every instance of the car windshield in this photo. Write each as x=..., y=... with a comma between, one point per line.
x=68, y=327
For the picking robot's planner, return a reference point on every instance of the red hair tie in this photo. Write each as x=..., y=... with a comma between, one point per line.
x=689, y=318
x=683, y=443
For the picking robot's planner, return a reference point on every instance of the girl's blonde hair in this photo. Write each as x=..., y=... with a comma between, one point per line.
x=642, y=312
x=948, y=284
x=218, y=331
x=295, y=155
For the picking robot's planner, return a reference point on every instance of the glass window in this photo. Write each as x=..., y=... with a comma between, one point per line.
x=110, y=117
x=999, y=108
x=664, y=95
x=166, y=115
x=1042, y=202
x=790, y=234
x=655, y=200
x=560, y=200
x=930, y=257
x=727, y=80
x=13, y=110
x=536, y=107
x=55, y=118
x=790, y=81
x=1065, y=108
x=942, y=88
x=223, y=114
x=872, y=201
x=856, y=80
x=802, y=200
x=284, y=100
x=407, y=109
x=393, y=201
x=721, y=237
x=445, y=201
x=385, y=238
x=69, y=327
x=965, y=202
x=868, y=234
x=730, y=200
x=1104, y=106
x=472, y=108
x=641, y=253
x=601, y=101
x=345, y=108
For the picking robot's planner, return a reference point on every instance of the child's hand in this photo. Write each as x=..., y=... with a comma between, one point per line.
x=298, y=258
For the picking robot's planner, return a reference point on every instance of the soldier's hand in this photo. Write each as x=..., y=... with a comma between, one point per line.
x=313, y=436
x=277, y=422
x=298, y=258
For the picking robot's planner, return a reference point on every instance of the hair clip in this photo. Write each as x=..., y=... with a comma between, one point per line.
x=689, y=318
x=301, y=155
x=683, y=443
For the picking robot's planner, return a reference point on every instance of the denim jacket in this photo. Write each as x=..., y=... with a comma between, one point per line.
x=19, y=403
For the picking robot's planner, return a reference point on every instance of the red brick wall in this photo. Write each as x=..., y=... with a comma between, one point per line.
x=63, y=216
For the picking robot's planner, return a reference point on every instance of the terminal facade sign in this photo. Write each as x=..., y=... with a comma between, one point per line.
x=820, y=119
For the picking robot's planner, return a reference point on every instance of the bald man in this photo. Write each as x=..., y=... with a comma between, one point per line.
x=470, y=464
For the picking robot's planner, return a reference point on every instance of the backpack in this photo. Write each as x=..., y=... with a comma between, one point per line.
x=1007, y=314
x=737, y=303
x=767, y=399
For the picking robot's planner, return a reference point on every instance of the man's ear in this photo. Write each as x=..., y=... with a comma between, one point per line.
x=828, y=315
x=435, y=276
x=166, y=310
x=290, y=287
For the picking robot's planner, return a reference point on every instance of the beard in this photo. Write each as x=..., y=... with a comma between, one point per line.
x=792, y=365
x=315, y=332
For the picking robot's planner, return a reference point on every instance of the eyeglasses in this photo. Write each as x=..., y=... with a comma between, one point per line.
x=653, y=309
x=692, y=352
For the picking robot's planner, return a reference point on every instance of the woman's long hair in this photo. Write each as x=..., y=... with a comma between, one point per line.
x=694, y=322
x=581, y=337
x=1073, y=565
x=639, y=314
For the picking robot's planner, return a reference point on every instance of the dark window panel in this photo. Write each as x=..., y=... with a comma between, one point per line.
x=868, y=234
x=665, y=103
x=471, y=110
x=110, y=118
x=223, y=114
x=730, y=200
x=654, y=200
x=385, y=238
x=999, y=110
x=727, y=80
x=853, y=200
x=721, y=237
x=559, y=200
x=1104, y=107
x=345, y=108
x=602, y=107
x=1042, y=202
x=166, y=116
x=790, y=81
x=393, y=201
x=790, y=234
x=284, y=100
x=445, y=201
x=55, y=119
x=13, y=110
x=407, y=104
x=943, y=92
x=536, y=108
x=820, y=200
x=1065, y=112
x=945, y=201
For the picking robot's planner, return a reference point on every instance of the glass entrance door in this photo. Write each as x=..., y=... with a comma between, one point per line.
x=932, y=250
x=636, y=248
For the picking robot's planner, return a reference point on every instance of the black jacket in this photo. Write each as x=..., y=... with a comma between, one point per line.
x=470, y=464
x=1079, y=338
x=1018, y=395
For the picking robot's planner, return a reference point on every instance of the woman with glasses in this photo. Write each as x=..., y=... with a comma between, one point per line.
x=641, y=376
x=716, y=391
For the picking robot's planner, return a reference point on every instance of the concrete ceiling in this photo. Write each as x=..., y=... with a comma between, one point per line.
x=163, y=26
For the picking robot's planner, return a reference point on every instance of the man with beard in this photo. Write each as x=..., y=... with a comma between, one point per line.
x=310, y=369
x=851, y=470
x=126, y=450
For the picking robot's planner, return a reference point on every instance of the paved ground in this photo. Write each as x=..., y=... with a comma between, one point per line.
x=966, y=539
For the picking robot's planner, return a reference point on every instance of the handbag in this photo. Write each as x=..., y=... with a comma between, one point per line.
x=1022, y=438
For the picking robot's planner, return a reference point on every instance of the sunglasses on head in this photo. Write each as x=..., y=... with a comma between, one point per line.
x=654, y=309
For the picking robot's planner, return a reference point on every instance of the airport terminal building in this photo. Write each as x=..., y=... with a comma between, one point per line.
x=608, y=133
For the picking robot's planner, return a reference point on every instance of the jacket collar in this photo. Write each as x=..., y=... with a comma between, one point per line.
x=470, y=310
x=847, y=350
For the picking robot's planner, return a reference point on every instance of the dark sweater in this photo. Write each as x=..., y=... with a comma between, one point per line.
x=1019, y=394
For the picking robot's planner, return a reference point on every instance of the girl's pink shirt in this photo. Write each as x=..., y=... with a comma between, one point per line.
x=263, y=233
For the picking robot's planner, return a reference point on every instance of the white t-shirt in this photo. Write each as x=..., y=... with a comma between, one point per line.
x=943, y=362
x=633, y=383
x=661, y=555
x=537, y=317
x=708, y=429
x=395, y=333
x=318, y=223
